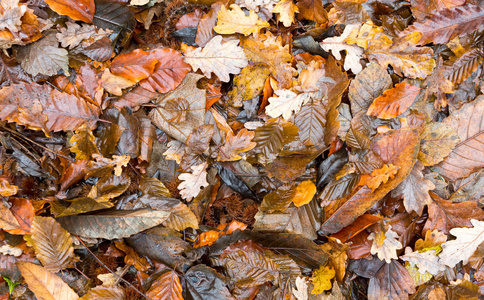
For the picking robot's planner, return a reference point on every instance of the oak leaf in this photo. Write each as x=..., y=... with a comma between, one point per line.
x=101, y=292
x=381, y=175
x=235, y=21
x=286, y=10
x=236, y=144
x=7, y=189
x=426, y=261
x=301, y=290
x=221, y=58
x=385, y=244
x=353, y=52
x=394, y=102
x=11, y=14
x=322, y=279
x=83, y=144
x=466, y=243
x=415, y=190
x=193, y=182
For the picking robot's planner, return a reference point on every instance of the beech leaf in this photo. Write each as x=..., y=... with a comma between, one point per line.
x=82, y=10
x=166, y=287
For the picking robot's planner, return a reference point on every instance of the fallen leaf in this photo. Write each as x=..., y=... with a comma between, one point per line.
x=235, y=21
x=304, y=193
x=220, y=58
x=394, y=102
x=193, y=182
x=45, y=285
x=82, y=10
x=167, y=286
x=427, y=261
x=286, y=10
x=301, y=290
x=466, y=243
x=322, y=279
x=385, y=244
x=134, y=66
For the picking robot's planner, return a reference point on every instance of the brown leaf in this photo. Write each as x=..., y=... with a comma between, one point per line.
x=82, y=10
x=135, y=65
x=104, y=293
x=312, y=10
x=45, y=285
x=168, y=72
x=52, y=244
x=425, y=8
x=398, y=147
x=391, y=281
x=415, y=190
x=236, y=144
x=445, y=214
x=195, y=112
x=44, y=57
x=468, y=154
x=83, y=143
x=446, y=24
x=367, y=86
x=63, y=111
x=166, y=287
x=437, y=141
x=113, y=224
x=394, y=102
x=132, y=258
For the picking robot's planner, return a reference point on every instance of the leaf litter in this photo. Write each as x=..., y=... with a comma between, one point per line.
x=248, y=149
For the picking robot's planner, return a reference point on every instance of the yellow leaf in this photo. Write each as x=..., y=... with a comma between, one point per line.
x=235, y=21
x=304, y=193
x=286, y=10
x=322, y=279
x=83, y=144
x=364, y=34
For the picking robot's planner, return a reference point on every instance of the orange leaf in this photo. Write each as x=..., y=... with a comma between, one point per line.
x=304, y=193
x=82, y=10
x=394, y=101
x=379, y=176
x=135, y=65
x=24, y=212
x=168, y=73
x=166, y=287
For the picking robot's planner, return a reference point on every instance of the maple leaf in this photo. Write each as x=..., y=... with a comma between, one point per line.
x=385, y=244
x=286, y=10
x=235, y=21
x=466, y=243
x=322, y=279
x=220, y=58
x=193, y=182
x=353, y=53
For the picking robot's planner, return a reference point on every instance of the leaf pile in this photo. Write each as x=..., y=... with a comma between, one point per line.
x=241, y=149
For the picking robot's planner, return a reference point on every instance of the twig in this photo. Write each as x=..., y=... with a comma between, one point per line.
x=107, y=268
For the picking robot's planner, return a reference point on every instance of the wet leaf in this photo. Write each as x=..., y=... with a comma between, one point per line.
x=114, y=223
x=166, y=287
x=235, y=21
x=82, y=10
x=52, y=244
x=466, y=156
x=45, y=285
x=394, y=102
x=221, y=58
